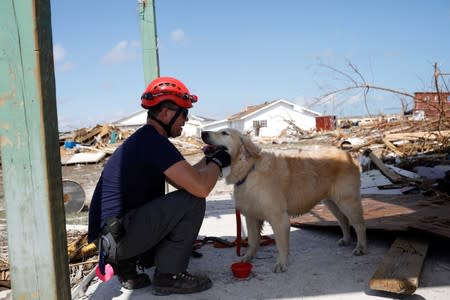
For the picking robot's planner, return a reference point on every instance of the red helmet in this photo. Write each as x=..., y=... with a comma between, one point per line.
x=167, y=88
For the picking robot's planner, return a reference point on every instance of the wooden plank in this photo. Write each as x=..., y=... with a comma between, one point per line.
x=385, y=170
x=82, y=158
x=392, y=147
x=37, y=244
x=416, y=135
x=404, y=173
x=401, y=267
x=430, y=215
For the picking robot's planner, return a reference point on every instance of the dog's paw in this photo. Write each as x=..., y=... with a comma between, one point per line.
x=358, y=251
x=343, y=242
x=279, y=268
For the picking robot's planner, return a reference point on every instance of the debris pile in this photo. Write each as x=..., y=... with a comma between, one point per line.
x=83, y=256
x=92, y=145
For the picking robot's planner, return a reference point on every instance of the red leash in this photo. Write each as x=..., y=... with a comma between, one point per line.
x=238, y=232
x=221, y=243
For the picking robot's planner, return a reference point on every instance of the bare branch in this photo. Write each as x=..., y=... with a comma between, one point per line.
x=339, y=72
x=358, y=82
x=364, y=87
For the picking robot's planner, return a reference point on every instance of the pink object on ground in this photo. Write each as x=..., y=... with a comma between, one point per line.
x=109, y=273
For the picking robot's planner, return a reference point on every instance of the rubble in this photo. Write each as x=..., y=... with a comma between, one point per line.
x=92, y=145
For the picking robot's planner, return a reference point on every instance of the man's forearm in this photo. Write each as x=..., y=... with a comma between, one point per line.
x=200, y=164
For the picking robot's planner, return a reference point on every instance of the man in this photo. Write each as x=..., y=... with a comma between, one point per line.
x=132, y=219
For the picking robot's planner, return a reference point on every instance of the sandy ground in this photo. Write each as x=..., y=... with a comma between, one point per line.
x=318, y=267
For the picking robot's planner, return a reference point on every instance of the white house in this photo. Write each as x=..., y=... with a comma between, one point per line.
x=138, y=119
x=268, y=119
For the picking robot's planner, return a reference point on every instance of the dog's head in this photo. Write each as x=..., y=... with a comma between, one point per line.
x=236, y=144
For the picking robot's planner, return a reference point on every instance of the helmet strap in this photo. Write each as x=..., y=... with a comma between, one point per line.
x=168, y=127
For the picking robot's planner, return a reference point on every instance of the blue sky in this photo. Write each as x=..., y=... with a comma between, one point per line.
x=237, y=53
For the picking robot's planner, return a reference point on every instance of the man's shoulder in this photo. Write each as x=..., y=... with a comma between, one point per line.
x=144, y=134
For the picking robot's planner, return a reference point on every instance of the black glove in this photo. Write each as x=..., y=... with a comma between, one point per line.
x=220, y=157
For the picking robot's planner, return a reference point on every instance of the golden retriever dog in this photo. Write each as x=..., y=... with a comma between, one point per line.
x=270, y=187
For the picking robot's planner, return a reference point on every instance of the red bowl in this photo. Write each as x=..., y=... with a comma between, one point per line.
x=241, y=269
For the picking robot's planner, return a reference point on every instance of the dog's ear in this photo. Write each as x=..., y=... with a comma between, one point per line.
x=251, y=149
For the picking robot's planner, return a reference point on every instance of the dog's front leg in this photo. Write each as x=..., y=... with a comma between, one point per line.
x=254, y=236
x=281, y=227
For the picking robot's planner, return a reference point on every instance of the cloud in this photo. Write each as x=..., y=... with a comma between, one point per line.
x=357, y=98
x=301, y=100
x=59, y=58
x=59, y=53
x=66, y=66
x=178, y=35
x=123, y=52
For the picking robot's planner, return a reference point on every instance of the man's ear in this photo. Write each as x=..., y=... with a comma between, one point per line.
x=164, y=114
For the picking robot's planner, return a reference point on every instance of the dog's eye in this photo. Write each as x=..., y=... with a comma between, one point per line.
x=224, y=133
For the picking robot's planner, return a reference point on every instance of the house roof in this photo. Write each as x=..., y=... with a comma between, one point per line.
x=249, y=110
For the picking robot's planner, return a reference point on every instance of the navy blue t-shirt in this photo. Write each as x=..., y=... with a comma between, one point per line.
x=133, y=175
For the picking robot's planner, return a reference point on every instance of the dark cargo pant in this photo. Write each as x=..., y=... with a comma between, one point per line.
x=165, y=228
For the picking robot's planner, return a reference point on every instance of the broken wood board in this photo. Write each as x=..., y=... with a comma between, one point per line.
x=401, y=267
x=416, y=135
x=433, y=225
x=381, y=190
x=430, y=215
x=404, y=173
x=385, y=170
x=82, y=158
x=392, y=147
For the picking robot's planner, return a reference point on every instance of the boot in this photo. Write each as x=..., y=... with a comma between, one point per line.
x=181, y=283
x=129, y=278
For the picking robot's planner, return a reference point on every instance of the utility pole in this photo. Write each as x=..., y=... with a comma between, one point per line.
x=149, y=40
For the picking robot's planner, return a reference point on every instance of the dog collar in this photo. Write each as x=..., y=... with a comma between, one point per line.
x=245, y=178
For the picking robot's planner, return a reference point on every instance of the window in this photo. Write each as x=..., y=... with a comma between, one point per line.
x=259, y=123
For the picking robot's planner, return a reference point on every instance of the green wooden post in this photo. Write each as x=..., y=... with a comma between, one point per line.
x=150, y=56
x=30, y=153
x=149, y=40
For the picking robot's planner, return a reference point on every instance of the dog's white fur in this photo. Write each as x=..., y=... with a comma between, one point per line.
x=270, y=187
